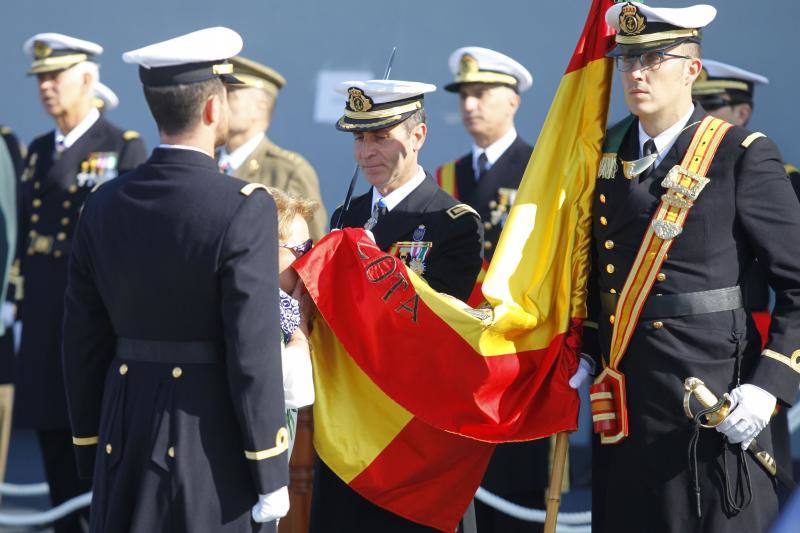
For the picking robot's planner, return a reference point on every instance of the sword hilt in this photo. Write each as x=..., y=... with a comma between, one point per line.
x=707, y=399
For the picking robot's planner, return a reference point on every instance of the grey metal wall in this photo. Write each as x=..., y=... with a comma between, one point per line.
x=302, y=37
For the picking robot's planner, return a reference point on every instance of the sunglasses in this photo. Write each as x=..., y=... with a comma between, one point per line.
x=298, y=249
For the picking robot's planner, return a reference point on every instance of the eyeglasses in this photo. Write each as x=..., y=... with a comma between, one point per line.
x=298, y=249
x=648, y=60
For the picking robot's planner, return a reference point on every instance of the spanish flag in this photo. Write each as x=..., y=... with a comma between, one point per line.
x=413, y=387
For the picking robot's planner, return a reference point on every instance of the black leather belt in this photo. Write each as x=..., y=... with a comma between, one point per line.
x=675, y=305
x=180, y=352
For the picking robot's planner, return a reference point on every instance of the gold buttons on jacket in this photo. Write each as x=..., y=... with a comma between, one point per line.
x=658, y=324
x=610, y=269
x=37, y=202
x=613, y=291
x=602, y=198
x=177, y=372
x=661, y=276
x=611, y=319
x=609, y=245
x=604, y=221
x=487, y=225
x=61, y=236
x=57, y=254
x=171, y=451
x=73, y=189
x=108, y=448
x=36, y=185
x=67, y=204
x=123, y=369
x=34, y=218
x=487, y=245
x=65, y=221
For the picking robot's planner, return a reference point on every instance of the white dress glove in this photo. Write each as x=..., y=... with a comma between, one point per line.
x=9, y=312
x=583, y=372
x=271, y=506
x=751, y=410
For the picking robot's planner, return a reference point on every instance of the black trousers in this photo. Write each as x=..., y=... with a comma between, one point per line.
x=62, y=476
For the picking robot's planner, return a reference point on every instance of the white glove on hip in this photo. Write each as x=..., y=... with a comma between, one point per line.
x=271, y=506
x=751, y=411
x=583, y=372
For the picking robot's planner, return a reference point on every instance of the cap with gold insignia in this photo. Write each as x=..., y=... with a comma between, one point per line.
x=254, y=74
x=719, y=78
x=377, y=104
x=198, y=56
x=104, y=97
x=642, y=28
x=473, y=64
x=55, y=51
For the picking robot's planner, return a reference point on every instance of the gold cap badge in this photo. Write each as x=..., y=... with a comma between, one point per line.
x=468, y=65
x=631, y=22
x=358, y=101
x=41, y=50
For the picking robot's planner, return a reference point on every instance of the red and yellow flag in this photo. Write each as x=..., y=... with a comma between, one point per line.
x=413, y=386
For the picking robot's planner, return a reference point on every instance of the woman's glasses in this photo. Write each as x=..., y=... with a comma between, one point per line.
x=298, y=249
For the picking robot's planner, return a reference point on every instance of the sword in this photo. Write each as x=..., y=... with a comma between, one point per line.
x=354, y=179
x=695, y=387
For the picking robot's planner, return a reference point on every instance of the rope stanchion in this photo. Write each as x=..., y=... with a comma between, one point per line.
x=565, y=520
x=46, y=517
x=31, y=489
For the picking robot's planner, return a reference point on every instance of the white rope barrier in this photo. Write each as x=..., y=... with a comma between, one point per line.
x=32, y=489
x=519, y=512
x=46, y=517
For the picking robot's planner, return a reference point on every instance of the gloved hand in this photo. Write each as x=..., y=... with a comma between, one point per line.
x=8, y=314
x=751, y=409
x=585, y=369
x=271, y=506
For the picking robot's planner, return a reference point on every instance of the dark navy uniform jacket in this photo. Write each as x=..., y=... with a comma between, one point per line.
x=453, y=265
x=747, y=211
x=482, y=195
x=53, y=191
x=172, y=348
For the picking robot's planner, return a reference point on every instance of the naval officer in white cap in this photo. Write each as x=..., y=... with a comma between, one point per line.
x=61, y=168
x=490, y=85
x=716, y=198
x=387, y=121
x=105, y=99
x=171, y=339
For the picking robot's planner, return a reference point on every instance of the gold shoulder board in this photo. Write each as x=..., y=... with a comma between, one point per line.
x=5, y=130
x=130, y=135
x=752, y=137
x=248, y=189
x=461, y=209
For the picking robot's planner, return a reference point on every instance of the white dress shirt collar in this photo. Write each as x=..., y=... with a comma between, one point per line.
x=396, y=196
x=494, y=150
x=666, y=138
x=237, y=158
x=68, y=139
x=184, y=147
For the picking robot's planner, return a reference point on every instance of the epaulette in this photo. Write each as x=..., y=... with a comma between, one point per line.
x=5, y=130
x=611, y=143
x=248, y=189
x=130, y=135
x=286, y=154
x=791, y=169
x=460, y=210
x=752, y=137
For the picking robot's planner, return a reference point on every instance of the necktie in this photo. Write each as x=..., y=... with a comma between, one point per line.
x=226, y=167
x=649, y=148
x=60, y=146
x=483, y=164
x=378, y=210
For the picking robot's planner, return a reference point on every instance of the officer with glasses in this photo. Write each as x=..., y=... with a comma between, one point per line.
x=684, y=205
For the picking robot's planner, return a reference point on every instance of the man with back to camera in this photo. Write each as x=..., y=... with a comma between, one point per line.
x=61, y=168
x=171, y=333
x=404, y=209
x=684, y=204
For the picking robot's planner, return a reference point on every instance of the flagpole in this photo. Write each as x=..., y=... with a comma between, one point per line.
x=556, y=480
